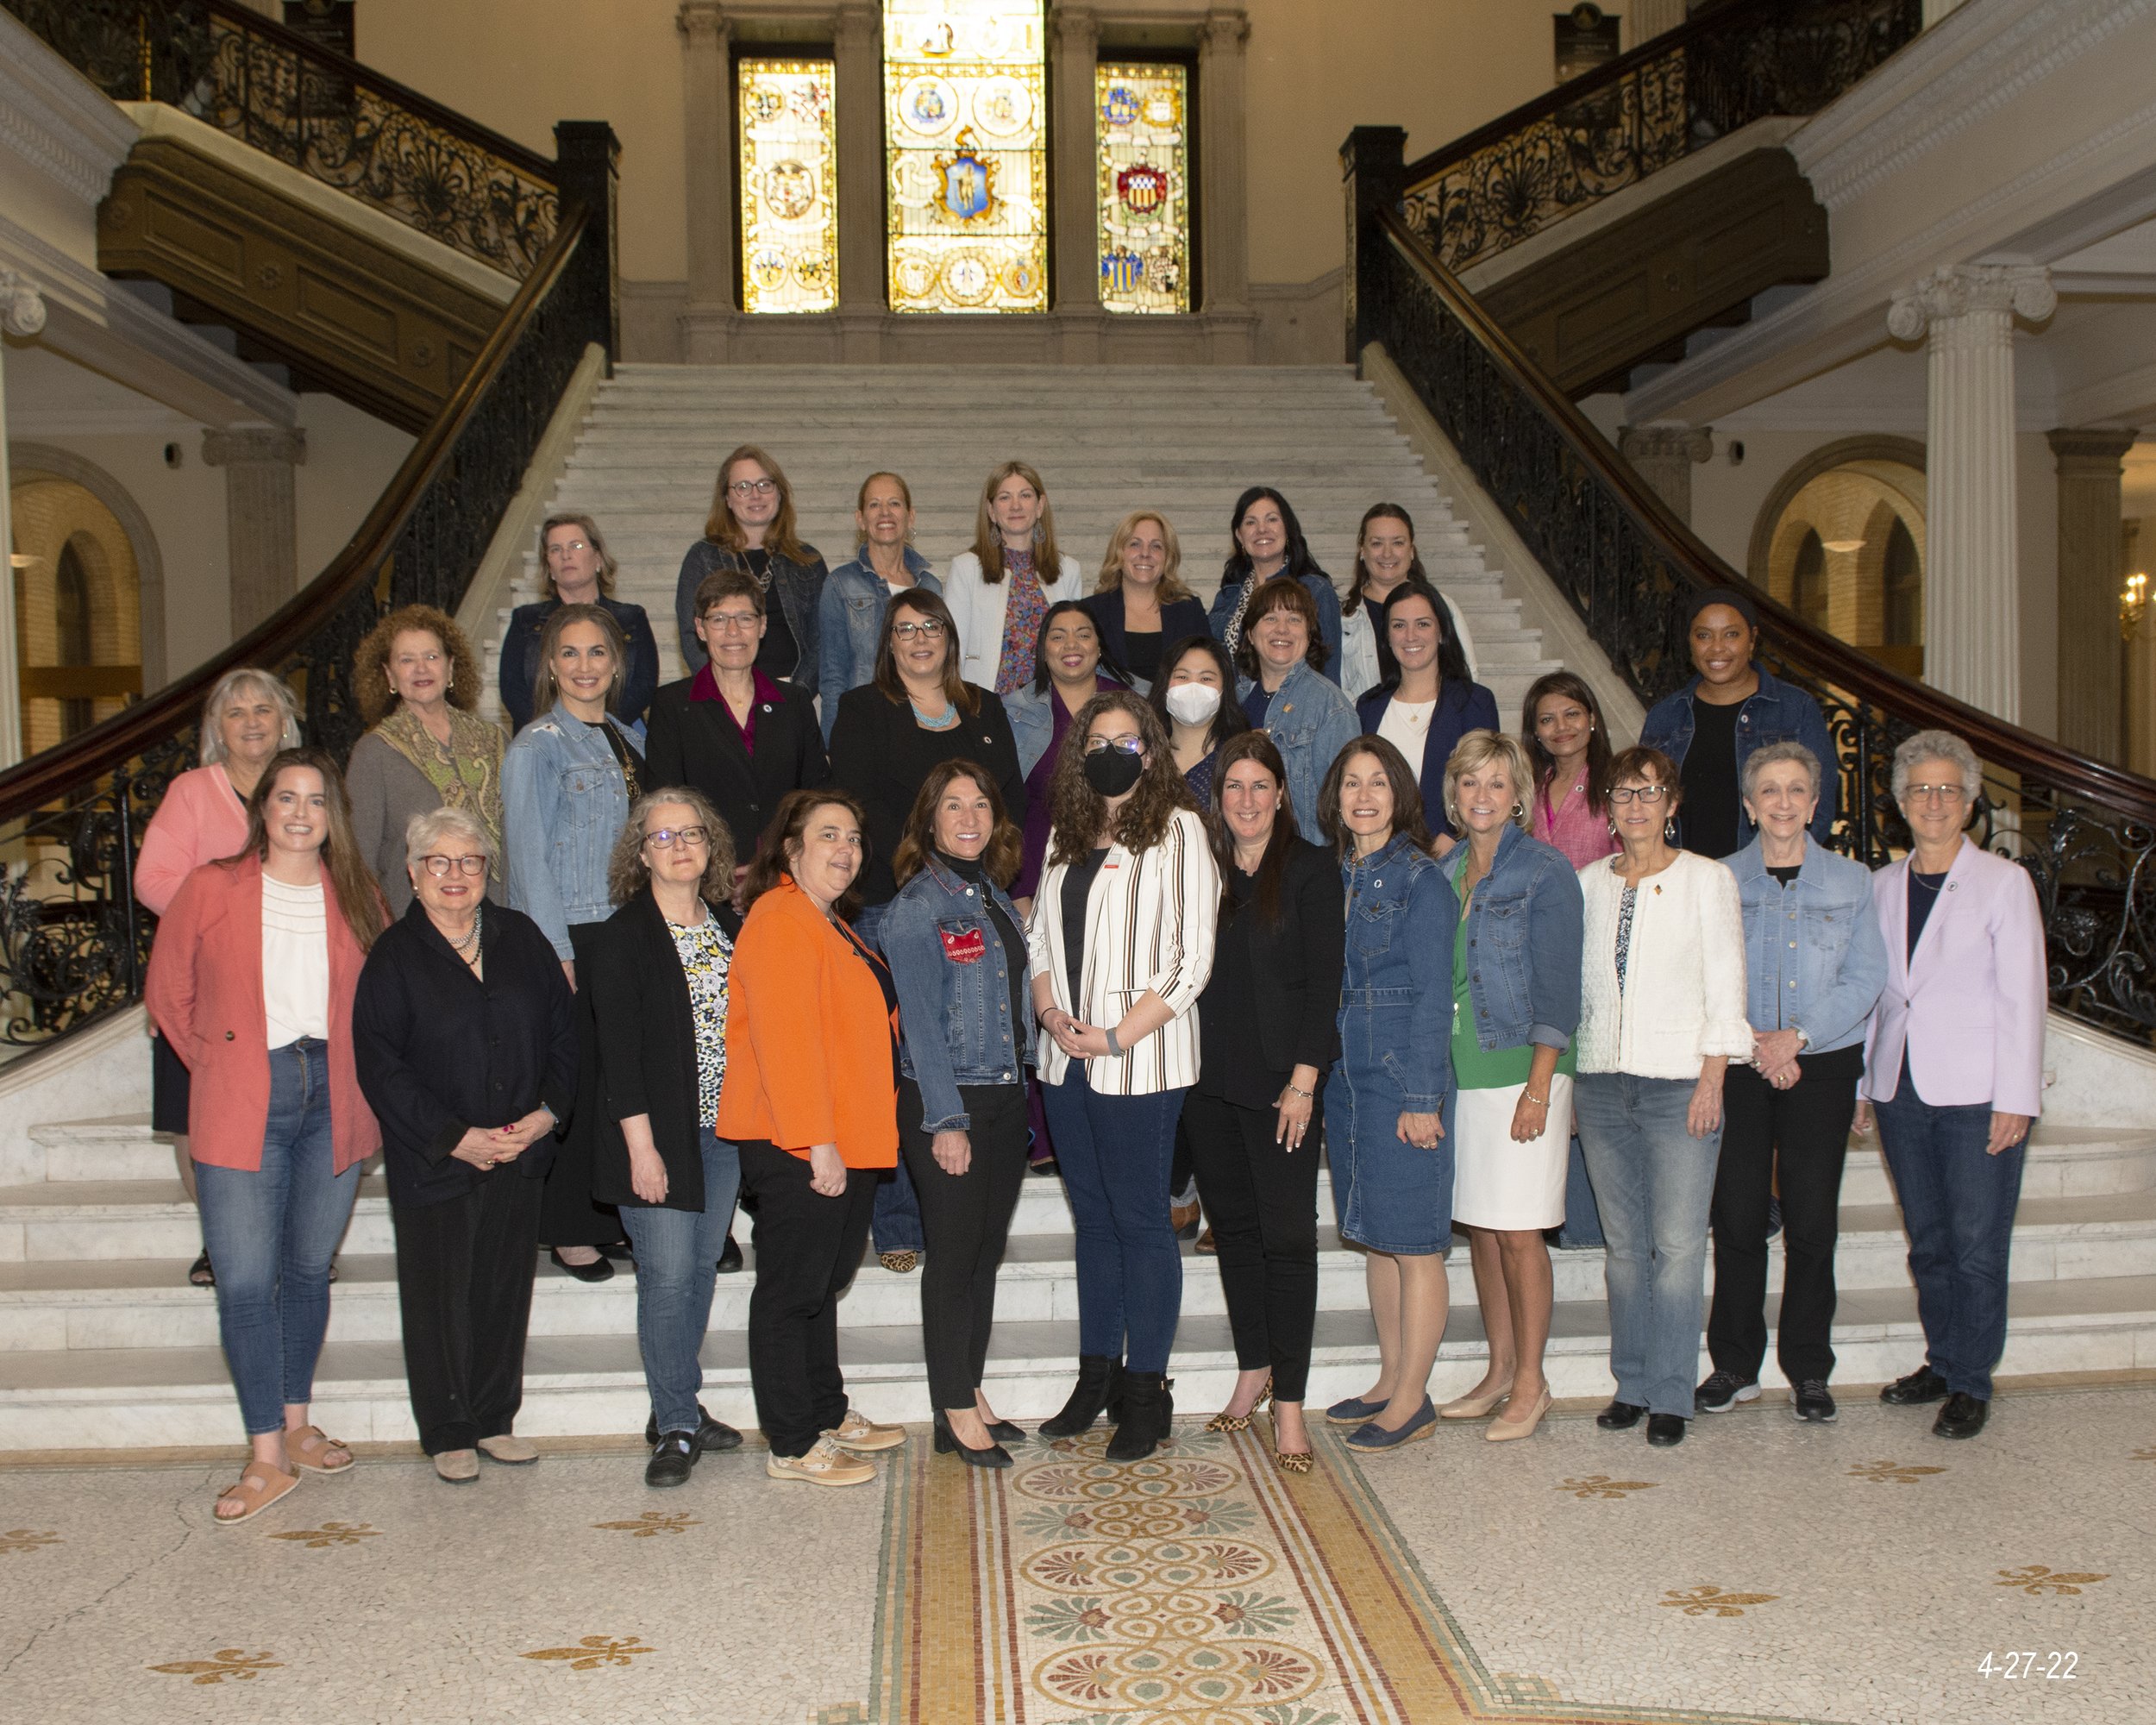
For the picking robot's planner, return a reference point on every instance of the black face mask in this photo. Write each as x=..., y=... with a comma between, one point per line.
x=1110, y=772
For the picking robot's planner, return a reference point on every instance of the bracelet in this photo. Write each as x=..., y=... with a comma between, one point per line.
x=1296, y=1090
x=1114, y=1047
x=1540, y=1101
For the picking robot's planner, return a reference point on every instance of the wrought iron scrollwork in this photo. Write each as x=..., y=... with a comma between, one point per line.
x=1737, y=64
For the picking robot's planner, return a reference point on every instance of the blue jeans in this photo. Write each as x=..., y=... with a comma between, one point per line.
x=273, y=1233
x=677, y=1263
x=1958, y=1205
x=1582, y=1225
x=1655, y=1184
x=1114, y=1154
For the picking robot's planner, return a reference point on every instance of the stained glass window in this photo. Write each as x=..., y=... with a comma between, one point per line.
x=1141, y=114
x=965, y=103
x=789, y=186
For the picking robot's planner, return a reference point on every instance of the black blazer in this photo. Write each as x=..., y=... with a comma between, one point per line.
x=520, y=660
x=647, y=1050
x=1296, y=964
x=439, y=1050
x=1179, y=618
x=697, y=743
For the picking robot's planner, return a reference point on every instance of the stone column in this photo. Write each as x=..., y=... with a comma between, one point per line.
x=1665, y=455
x=261, y=519
x=1224, y=176
x=857, y=88
x=2091, y=703
x=708, y=150
x=22, y=313
x=1074, y=173
x=1644, y=20
x=1972, y=634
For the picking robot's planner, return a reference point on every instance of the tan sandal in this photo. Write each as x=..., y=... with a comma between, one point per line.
x=261, y=1485
x=307, y=1445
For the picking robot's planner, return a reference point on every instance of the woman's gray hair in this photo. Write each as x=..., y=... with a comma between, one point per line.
x=426, y=831
x=246, y=677
x=1773, y=755
x=1937, y=745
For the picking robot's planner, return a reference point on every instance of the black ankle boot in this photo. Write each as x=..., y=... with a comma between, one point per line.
x=1099, y=1386
x=1147, y=1408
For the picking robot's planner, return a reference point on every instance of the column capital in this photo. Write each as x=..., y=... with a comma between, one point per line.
x=22, y=306
x=1957, y=290
x=1224, y=30
x=1665, y=440
x=242, y=444
x=1076, y=26
x=702, y=23
x=857, y=25
x=2097, y=451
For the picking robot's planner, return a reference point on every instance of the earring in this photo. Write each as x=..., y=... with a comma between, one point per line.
x=1613, y=829
x=1669, y=830
x=1519, y=810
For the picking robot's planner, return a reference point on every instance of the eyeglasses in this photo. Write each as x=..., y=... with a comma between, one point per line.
x=927, y=629
x=670, y=838
x=732, y=622
x=1935, y=794
x=443, y=866
x=1647, y=793
x=752, y=487
x=1122, y=745
x=567, y=550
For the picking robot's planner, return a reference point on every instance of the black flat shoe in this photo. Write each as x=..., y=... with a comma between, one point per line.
x=713, y=1436
x=1621, y=1416
x=621, y=1251
x=672, y=1458
x=1921, y=1386
x=1962, y=1417
x=729, y=1257
x=599, y=1269
x=993, y=1455
x=1666, y=1431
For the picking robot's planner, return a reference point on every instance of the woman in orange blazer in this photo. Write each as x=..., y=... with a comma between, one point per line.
x=811, y=1097
x=257, y=960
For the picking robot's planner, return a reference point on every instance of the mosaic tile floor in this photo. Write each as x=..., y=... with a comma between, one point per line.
x=1764, y=1572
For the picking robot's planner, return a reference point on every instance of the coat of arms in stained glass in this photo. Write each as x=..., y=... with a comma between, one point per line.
x=1142, y=114
x=789, y=186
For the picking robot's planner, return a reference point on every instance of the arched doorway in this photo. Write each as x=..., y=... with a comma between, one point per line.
x=78, y=608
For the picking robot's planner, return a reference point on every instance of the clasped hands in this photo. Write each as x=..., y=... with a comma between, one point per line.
x=1079, y=1041
x=1774, y=1057
x=490, y=1146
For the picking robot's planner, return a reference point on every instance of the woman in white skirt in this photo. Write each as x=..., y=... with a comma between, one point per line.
x=1516, y=1003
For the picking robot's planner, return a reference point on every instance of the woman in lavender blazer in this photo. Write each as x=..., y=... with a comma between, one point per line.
x=1954, y=1070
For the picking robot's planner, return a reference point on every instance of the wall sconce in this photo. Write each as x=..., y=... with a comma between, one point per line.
x=2132, y=599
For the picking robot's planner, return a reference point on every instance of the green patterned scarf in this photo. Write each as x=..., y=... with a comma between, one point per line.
x=468, y=773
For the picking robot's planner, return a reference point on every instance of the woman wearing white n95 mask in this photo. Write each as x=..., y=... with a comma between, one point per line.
x=1194, y=696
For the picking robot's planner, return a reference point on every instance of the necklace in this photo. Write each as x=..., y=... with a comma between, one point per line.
x=467, y=949
x=950, y=716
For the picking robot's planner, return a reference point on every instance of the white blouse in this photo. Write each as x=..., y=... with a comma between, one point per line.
x=295, y=962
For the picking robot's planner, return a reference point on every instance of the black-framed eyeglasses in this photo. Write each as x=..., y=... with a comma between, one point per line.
x=1122, y=745
x=1647, y=793
x=666, y=838
x=443, y=866
x=928, y=629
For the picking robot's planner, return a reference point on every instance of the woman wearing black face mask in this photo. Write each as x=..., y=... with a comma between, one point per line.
x=1121, y=945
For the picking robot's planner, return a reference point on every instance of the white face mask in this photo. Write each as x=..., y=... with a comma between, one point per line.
x=1193, y=703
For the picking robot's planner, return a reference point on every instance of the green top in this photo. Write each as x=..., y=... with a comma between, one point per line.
x=1473, y=1069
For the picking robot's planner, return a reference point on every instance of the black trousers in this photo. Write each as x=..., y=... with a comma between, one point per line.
x=464, y=1272
x=1792, y=1141
x=965, y=1219
x=1262, y=1202
x=808, y=1247
x=568, y=1216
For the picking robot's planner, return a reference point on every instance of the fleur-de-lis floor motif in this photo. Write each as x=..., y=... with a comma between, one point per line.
x=2037, y=1579
x=332, y=1533
x=1890, y=1472
x=27, y=1539
x=1712, y=1601
x=594, y=1651
x=226, y=1662
x=652, y=1521
x=1602, y=1485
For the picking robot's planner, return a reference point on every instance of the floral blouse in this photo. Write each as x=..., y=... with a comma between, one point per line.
x=1022, y=616
x=706, y=957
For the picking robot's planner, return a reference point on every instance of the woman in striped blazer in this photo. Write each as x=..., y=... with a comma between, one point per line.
x=1121, y=942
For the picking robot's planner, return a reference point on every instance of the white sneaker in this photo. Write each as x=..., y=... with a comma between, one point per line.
x=861, y=1434
x=824, y=1465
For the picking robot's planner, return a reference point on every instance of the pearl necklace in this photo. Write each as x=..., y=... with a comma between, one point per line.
x=467, y=948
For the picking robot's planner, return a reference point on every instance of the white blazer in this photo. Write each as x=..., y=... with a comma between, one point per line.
x=1149, y=922
x=979, y=610
x=1358, y=648
x=1683, y=997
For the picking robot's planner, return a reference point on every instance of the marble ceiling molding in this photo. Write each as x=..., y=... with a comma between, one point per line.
x=54, y=118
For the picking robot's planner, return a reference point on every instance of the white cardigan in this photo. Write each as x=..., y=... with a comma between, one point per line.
x=979, y=610
x=1358, y=648
x=1683, y=998
x=1149, y=922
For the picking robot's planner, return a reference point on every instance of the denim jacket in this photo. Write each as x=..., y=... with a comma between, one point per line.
x=1525, y=927
x=1778, y=712
x=563, y=804
x=1319, y=586
x=850, y=620
x=953, y=973
x=796, y=589
x=1814, y=958
x=1310, y=722
x=1400, y=916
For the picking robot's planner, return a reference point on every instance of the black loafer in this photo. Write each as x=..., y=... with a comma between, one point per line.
x=1962, y=1417
x=1666, y=1431
x=672, y=1459
x=1921, y=1386
x=729, y=1257
x=713, y=1435
x=1621, y=1416
x=600, y=1268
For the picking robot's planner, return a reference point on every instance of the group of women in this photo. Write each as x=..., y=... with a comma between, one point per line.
x=1099, y=877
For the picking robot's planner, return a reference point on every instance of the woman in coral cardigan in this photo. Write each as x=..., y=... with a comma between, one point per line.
x=810, y=1098
x=256, y=963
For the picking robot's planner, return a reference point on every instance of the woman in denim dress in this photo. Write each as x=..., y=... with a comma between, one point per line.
x=1384, y=1127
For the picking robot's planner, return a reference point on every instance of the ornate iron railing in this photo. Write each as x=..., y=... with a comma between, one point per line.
x=310, y=107
x=2086, y=832
x=74, y=941
x=1598, y=133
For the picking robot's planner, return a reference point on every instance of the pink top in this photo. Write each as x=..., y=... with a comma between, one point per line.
x=202, y=819
x=1574, y=826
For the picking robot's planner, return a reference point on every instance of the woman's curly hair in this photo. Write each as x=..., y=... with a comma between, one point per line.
x=370, y=664
x=628, y=873
x=1075, y=810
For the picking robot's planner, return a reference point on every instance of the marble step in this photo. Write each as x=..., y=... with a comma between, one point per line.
x=592, y=1385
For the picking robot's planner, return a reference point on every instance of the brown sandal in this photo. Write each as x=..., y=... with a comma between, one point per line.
x=307, y=1444
x=259, y=1486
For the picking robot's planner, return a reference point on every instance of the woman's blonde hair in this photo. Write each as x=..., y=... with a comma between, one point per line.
x=228, y=686
x=987, y=537
x=1476, y=750
x=589, y=529
x=1171, y=582
x=781, y=536
x=627, y=873
x=370, y=664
